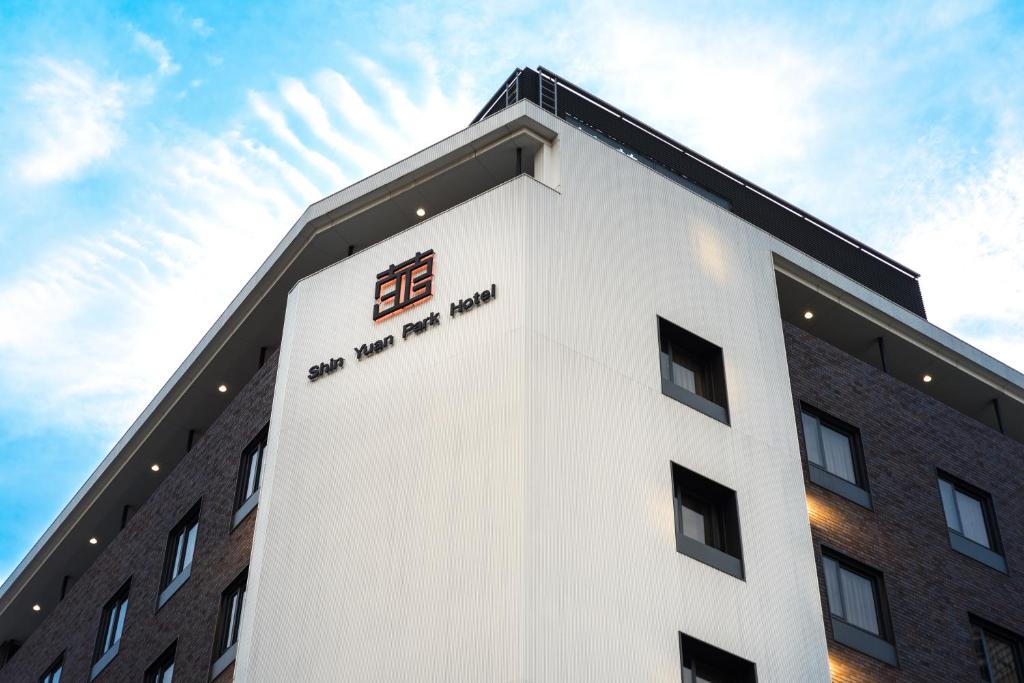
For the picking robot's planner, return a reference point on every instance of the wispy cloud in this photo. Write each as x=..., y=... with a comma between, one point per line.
x=74, y=119
x=157, y=51
x=200, y=27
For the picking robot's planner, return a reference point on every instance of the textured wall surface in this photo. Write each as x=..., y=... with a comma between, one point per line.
x=907, y=436
x=208, y=472
x=492, y=500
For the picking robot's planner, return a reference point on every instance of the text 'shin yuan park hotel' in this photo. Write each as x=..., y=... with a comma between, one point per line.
x=554, y=399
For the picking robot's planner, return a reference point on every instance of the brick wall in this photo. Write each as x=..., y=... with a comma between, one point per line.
x=208, y=472
x=906, y=437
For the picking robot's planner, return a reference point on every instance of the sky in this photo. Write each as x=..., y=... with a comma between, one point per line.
x=152, y=155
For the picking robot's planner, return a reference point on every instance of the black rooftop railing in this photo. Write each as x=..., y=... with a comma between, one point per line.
x=754, y=204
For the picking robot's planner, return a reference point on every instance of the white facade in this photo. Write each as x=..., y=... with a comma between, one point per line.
x=491, y=500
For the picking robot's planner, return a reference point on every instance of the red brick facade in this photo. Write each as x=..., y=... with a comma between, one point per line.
x=208, y=472
x=907, y=436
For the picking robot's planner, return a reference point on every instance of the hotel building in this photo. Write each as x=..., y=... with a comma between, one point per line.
x=554, y=399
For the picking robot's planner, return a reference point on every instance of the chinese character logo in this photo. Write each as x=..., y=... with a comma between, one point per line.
x=408, y=284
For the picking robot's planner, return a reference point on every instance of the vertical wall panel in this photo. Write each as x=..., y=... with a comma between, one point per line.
x=491, y=500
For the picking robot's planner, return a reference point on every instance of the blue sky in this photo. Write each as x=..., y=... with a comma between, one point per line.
x=151, y=155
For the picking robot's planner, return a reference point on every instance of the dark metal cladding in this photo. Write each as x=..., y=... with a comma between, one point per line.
x=774, y=215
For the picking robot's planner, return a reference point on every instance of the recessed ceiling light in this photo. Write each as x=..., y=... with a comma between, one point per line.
x=36, y=608
x=155, y=467
x=421, y=212
x=222, y=388
x=94, y=540
x=927, y=378
x=808, y=315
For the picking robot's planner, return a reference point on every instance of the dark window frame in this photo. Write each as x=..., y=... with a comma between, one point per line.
x=698, y=653
x=115, y=607
x=993, y=556
x=725, y=552
x=987, y=628
x=245, y=504
x=229, y=618
x=54, y=668
x=714, y=400
x=170, y=581
x=881, y=646
x=858, y=492
x=156, y=670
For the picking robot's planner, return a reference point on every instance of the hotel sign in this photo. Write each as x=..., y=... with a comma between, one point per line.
x=399, y=288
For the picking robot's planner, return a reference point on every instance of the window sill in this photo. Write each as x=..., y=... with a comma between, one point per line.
x=698, y=403
x=173, y=586
x=713, y=557
x=839, y=486
x=862, y=641
x=103, y=661
x=223, y=662
x=243, y=511
x=977, y=552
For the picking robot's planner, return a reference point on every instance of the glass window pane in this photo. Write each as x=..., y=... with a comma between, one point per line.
x=835, y=601
x=811, y=437
x=693, y=520
x=190, y=545
x=838, y=454
x=120, y=621
x=684, y=377
x=250, y=481
x=859, y=601
x=972, y=518
x=1001, y=657
x=949, y=505
x=168, y=674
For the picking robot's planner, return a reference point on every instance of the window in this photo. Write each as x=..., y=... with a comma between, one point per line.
x=970, y=517
x=162, y=670
x=108, y=639
x=707, y=521
x=857, y=604
x=52, y=674
x=703, y=663
x=249, y=475
x=181, y=545
x=228, y=623
x=834, y=456
x=692, y=371
x=999, y=653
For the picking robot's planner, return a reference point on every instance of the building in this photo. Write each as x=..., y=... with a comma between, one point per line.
x=554, y=399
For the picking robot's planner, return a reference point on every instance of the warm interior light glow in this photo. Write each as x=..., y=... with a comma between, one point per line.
x=927, y=378
x=36, y=608
x=94, y=540
x=222, y=388
x=421, y=212
x=155, y=467
x=808, y=315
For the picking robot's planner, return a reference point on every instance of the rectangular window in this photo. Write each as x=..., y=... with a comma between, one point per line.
x=703, y=663
x=834, y=455
x=970, y=517
x=228, y=621
x=707, y=521
x=181, y=545
x=108, y=638
x=692, y=371
x=856, y=601
x=999, y=653
x=53, y=674
x=249, y=475
x=162, y=670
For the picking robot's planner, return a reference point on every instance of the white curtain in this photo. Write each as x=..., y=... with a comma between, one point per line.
x=838, y=454
x=949, y=505
x=859, y=600
x=972, y=519
x=812, y=438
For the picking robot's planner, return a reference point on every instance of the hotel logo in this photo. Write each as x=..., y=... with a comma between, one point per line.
x=403, y=286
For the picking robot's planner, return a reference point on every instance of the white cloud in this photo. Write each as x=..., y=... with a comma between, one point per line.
x=74, y=120
x=969, y=246
x=201, y=28
x=158, y=51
